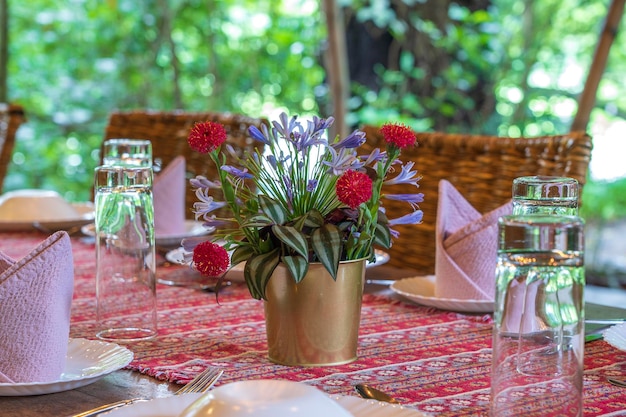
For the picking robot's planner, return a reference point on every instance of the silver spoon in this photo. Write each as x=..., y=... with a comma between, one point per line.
x=372, y=393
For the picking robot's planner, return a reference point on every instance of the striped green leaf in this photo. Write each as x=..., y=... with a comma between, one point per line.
x=326, y=243
x=241, y=254
x=314, y=219
x=258, y=271
x=258, y=220
x=382, y=236
x=297, y=266
x=273, y=209
x=294, y=239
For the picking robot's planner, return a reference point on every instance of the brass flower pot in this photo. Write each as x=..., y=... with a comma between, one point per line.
x=315, y=322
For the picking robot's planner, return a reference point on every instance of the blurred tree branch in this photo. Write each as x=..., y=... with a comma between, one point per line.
x=588, y=96
x=4, y=49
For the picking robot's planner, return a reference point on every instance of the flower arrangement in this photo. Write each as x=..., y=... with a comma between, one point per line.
x=303, y=199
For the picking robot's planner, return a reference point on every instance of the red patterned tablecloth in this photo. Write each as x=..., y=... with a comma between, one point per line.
x=434, y=361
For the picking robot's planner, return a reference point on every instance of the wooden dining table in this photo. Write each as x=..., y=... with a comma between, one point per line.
x=431, y=360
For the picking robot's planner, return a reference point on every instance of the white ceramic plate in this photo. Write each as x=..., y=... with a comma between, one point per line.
x=85, y=211
x=421, y=290
x=616, y=336
x=176, y=256
x=192, y=229
x=173, y=406
x=86, y=362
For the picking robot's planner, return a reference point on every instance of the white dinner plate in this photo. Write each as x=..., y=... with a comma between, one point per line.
x=85, y=215
x=86, y=362
x=421, y=290
x=616, y=336
x=173, y=406
x=177, y=256
x=192, y=229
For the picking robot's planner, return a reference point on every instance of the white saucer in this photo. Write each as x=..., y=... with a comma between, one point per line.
x=173, y=406
x=85, y=212
x=421, y=290
x=176, y=256
x=616, y=336
x=85, y=363
x=192, y=229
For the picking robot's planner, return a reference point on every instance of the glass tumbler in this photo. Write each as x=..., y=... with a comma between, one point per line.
x=125, y=254
x=127, y=152
x=538, y=333
x=545, y=195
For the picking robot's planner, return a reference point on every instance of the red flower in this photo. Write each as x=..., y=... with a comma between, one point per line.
x=205, y=137
x=354, y=188
x=398, y=134
x=210, y=259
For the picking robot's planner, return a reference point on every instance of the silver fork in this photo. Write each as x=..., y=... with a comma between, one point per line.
x=203, y=382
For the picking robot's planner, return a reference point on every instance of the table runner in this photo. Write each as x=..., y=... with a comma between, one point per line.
x=434, y=361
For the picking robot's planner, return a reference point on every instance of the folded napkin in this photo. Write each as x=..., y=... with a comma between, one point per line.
x=35, y=300
x=168, y=191
x=466, y=247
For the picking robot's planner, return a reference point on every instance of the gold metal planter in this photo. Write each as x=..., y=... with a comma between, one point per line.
x=315, y=322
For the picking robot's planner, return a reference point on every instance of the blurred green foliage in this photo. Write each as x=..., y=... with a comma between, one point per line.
x=72, y=62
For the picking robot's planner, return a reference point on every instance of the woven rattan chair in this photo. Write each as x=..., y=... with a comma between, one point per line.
x=482, y=168
x=11, y=117
x=168, y=133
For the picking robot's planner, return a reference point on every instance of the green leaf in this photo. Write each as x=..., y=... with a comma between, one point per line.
x=291, y=237
x=326, y=243
x=297, y=266
x=382, y=236
x=258, y=271
x=241, y=254
x=273, y=209
x=258, y=220
x=314, y=219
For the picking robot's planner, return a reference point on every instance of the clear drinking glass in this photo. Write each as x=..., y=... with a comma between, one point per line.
x=538, y=333
x=127, y=152
x=125, y=254
x=545, y=195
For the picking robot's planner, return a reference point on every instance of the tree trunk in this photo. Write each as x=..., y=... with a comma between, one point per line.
x=4, y=49
x=588, y=96
x=337, y=66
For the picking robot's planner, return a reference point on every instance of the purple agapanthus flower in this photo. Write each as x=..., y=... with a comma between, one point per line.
x=202, y=182
x=311, y=184
x=342, y=161
x=406, y=176
x=373, y=157
x=256, y=134
x=353, y=140
x=412, y=199
x=239, y=173
x=288, y=187
x=414, y=217
x=285, y=125
x=271, y=159
x=206, y=204
x=214, y=222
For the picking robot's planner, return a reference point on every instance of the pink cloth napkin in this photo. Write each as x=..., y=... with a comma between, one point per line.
x=35, y=300
x=466, y=247
x=168, y=191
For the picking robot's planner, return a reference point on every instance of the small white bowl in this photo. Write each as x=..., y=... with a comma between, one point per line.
x=35, y=206
x=265, y=398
